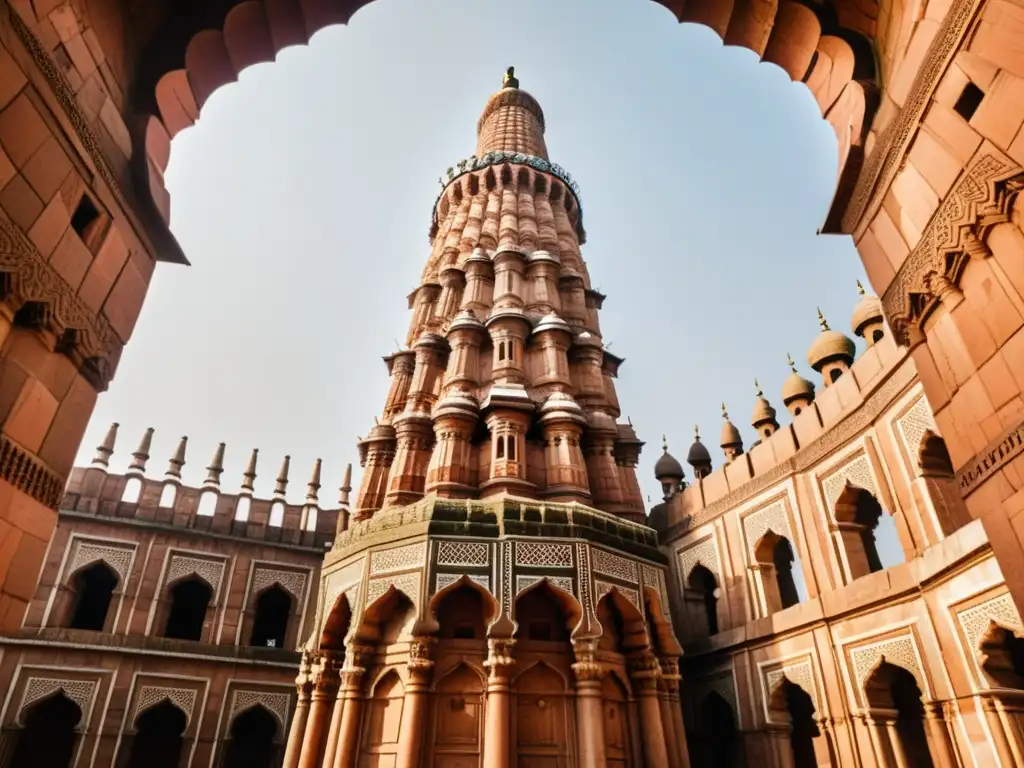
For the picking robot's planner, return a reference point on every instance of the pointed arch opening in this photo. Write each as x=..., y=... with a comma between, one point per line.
x=270, y=621
x=715, y=742
x=894, y=697
x=189, y=602
x=622, y=624
x=94, y=587
x=463, y=611
x=252, y=741
x=386, y=620
x=159, y=737
x=336, y=626
x=781, y=572
x=702, y=592
x=545, y=614
x=870, y=540
x=383, y=720
x=1002, y=656
x=50, y=733
x=792, y=704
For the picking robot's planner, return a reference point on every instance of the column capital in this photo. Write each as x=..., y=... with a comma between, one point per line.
x=325, y=679
x=420, y=665
x=499, y=660
x=644, y=670
x=587, y=667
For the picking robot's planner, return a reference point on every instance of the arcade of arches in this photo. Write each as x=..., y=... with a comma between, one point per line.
x=551, y=633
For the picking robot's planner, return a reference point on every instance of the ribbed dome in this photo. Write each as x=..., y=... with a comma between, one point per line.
x=552, y=322
x=512, y=121
x=867, y=311
x=667, y=467
x=829, y=345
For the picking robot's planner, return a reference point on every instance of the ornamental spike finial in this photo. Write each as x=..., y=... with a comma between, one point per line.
x=313, y=486
x=696, y=432
x=510, y=81
x=822, y=321
x=664, y=443
x=346, y=487
x=282, y=477
x=758, y=388
x=213, y=472
x=725, y=413
x=177, y=461
x=860, y=288
x=141, y=454
x=249, y=476
x=792, y=365
x=106, y=449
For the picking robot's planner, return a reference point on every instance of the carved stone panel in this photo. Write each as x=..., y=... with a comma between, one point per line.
x=398, y=558
x=601, y=588
x=976, y=620
x=446, y=579
x=463, y=553
x=770, y=518
x=562, y=582
x=703, y=552
x=293, y=582
x=117, y=555
x=151, y=695
x=855, y=472
x=184, y=565
x=911, y=427
x=275, y=703
x=79, y=691
x=900, y=651
x=544, y=554
x=799, y=672
x=614, y=565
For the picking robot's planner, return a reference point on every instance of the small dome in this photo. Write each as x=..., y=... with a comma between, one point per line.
x=829, y=345
x=796, y=386
x=561, y=407
x=552, y=322
x=698, y=453
x=465, y=319
x=538, y=256
x=729, y=435
x=867, y=311
x=458, y=401
x=479, y=255
x=763, y=411
x=667, y=467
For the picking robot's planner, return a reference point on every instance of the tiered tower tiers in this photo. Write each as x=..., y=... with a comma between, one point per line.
x=505, y=386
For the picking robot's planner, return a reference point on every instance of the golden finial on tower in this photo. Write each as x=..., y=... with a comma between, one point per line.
x=792, y=365
x=696, y=432
x=509, y=80
x=860, y=288
x=822, y=321
x=758, y=388
x=725, y=413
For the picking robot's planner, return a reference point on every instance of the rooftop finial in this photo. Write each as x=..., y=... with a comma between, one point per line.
x=860, y=288
x=141, y=454
x=758, y=388
x=696, y=432
x=725, y=413
x=792, y=365
x=510, y=80
x=664, y=443
x=105, y=449
x=177, y=460
x=314, y=484
x=822, y=321
x=282, y=477
x=249, y=476
x=213, y=472
x=346, y=487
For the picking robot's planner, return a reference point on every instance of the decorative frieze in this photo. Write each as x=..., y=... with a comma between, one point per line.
x=37, y=688
x=406, y=583
x=151, y=695
x=293, y=582
x=996, y=455
x=601, y=588
x=275, y=703
x=562, y=582
x=614, y=565
x=210, y=571
x=24, y=470
x=85, y=552
x=654, y=578
x=703, y=552
x=463, y=554
x=447, y=579
x=398, y=558
x=543, y=554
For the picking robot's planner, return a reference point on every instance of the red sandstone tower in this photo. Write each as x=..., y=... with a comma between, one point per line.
x=505, y=386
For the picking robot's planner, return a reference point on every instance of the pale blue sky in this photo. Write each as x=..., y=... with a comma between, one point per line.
x=303, y=199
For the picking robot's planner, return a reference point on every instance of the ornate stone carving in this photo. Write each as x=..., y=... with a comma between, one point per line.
x=406, y=583
x=398, y=558
x=654, y=578
x=911, y=427
x=291, y=581
x=799, y=672
x=702, y=553
x=613, y=565
x=882, y=165
x=721, y=684
x=79, y=691
x=506, y=578
x=546, y=555
x=117, y=556
x=644, y=670
x=463, y=553
x=33, y=279
x=151, y=695
x=499, y=660
x=601, y=588
x=275, y=703
x=210, y=571
x=980, y=200
x=855, y=472
x=900, y=651
x=26, y=472
x=445, y=579
x=585, y=596
x=562, y=582
x=976, y=620
x=770, y=518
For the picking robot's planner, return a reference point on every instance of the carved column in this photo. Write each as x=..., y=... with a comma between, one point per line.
x=325, y=691
x=589, y=715
x=605, y=485
x=451, y=471
x=376, y=455
x=453, y=281
x=304, y=687
x=414, y=712
x=563, y=422
x=409, y=472
x=939, y=742
x=672, y=679
x=400, y=366
x=499, y=665
x=643, y=672
x=352, y=710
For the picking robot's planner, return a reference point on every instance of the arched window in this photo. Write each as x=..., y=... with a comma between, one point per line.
x=1003, y=655
x=168, y=495
x=158, y=737
x=251, y=741
x=48, y=739
x=876, y=335
x=462, y=615
x=703, y=583
x=869, y=535
x=783, y=558
x=500, y=447
x=511, y=351
x=242, y=509
x=834, y=374
x=94, y=588
x=543, y=616
x=510, y=441
x=270, y=624
x=781, y=573
x=189, y=601
x=501, y=350
x=895, y=695
x=804, y=730
x=132, y=490
x=207, y=504
x=276, y=514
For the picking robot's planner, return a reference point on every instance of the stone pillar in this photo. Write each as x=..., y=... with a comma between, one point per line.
x=414, y=712
x=497, y=745
x=351, y=714
x=1007, y=748
x=605, y=481
x=450, y=471
x=421, y=301
x=672, y=679
x=643, y=672
x=334, y=730
x=589, y=715
x=453, y=281
x=939, y=742
x=304, y=686
x=782, y=746
x=325, y=692
x=376, y=455
x=408, y=478
x=668, y=726
x=479, y=290
x=542, y=272
x=400, y=366
x=563, y=422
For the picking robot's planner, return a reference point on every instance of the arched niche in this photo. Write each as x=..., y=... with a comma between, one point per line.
x=616, y=722
x=93, y=587
x=336, y=626
x=715, y=738
x=778, y=565
x=157, y=739
x=458, y=721
x=383, y=718
x=894, y=697
x=271, y=618
x=868, y=534
x=545, y=614
x=1001, y=653
x=702, y=590
x=253, y=739
x=791, y=704
x=187, y=604
x=542, y=718
x=463, y=611
x=622, y=625
x=387, y=619
x=49, y=734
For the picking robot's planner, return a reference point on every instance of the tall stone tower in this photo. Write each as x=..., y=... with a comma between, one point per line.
x=498, y=599
x=505, y=386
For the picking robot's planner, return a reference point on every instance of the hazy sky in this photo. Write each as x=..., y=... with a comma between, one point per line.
x=303, y=199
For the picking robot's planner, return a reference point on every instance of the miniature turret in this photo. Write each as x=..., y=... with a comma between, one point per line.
x=731, y=440
x=797, y=392
x=868, y=321
x=763, y=418
x=313, y=486
x=831, y=354
x=141, y=454
x=249, y=476
x=177, y=461
x=106, y=449
x=343, y=499
x=281, y=485
x=698, y=456
x=668, y=471
x=216, y=468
